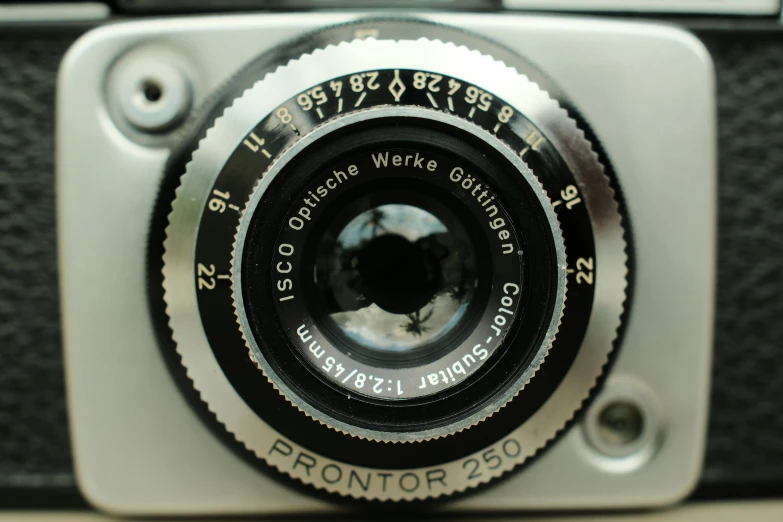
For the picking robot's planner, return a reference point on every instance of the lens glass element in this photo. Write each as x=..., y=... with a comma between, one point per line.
x=396, y=277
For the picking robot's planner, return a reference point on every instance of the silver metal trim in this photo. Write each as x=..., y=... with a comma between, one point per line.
x=258, y=93
x=436, y=56
x=84, y=11
x=740, y=7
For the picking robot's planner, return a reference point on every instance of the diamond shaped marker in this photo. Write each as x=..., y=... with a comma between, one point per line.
x=396, y=87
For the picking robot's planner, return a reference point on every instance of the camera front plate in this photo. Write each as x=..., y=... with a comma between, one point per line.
x=648, y=91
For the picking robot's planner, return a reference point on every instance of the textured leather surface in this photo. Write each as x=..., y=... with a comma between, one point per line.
x=34, y=448
x=746, y=428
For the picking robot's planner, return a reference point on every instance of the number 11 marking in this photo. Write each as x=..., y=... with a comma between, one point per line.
x=255, y=147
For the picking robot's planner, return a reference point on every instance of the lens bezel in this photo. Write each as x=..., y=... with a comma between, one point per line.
x=417, y=418
x=230, y=385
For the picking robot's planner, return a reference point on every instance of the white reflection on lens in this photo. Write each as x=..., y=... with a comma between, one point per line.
x=376, y=328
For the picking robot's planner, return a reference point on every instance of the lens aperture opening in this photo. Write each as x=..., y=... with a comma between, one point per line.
x=397, y=275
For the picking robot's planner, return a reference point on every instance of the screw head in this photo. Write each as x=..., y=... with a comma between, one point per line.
x=152, y=93
x=624, y=426
x=620, y=423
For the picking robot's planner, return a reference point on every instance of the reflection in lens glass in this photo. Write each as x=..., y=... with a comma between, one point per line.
x=396, y=277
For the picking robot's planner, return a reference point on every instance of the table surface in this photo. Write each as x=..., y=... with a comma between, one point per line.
x=695, y=512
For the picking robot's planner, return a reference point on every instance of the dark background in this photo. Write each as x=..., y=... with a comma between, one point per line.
x=745, y=443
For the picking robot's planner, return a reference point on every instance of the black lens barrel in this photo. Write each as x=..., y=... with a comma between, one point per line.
x=476, y=182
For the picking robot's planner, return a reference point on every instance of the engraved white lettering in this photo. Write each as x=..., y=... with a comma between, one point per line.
x=480, y=352
x=304, y=333
x=381, y=159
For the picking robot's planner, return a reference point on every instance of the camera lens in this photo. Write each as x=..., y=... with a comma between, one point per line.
x=397, y=266
x=373, y=244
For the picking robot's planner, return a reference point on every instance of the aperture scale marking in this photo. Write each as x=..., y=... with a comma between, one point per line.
x=322, y=102
x=442, y=93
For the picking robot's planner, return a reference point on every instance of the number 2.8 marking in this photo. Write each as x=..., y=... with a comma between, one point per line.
x=360, y=380
x=420, y=81
x=357, y=81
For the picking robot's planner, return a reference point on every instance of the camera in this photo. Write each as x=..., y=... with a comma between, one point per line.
x=462, y=261
x=394, y=258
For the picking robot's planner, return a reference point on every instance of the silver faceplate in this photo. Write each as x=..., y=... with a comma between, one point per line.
x=704, y=7
x=647, y=89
